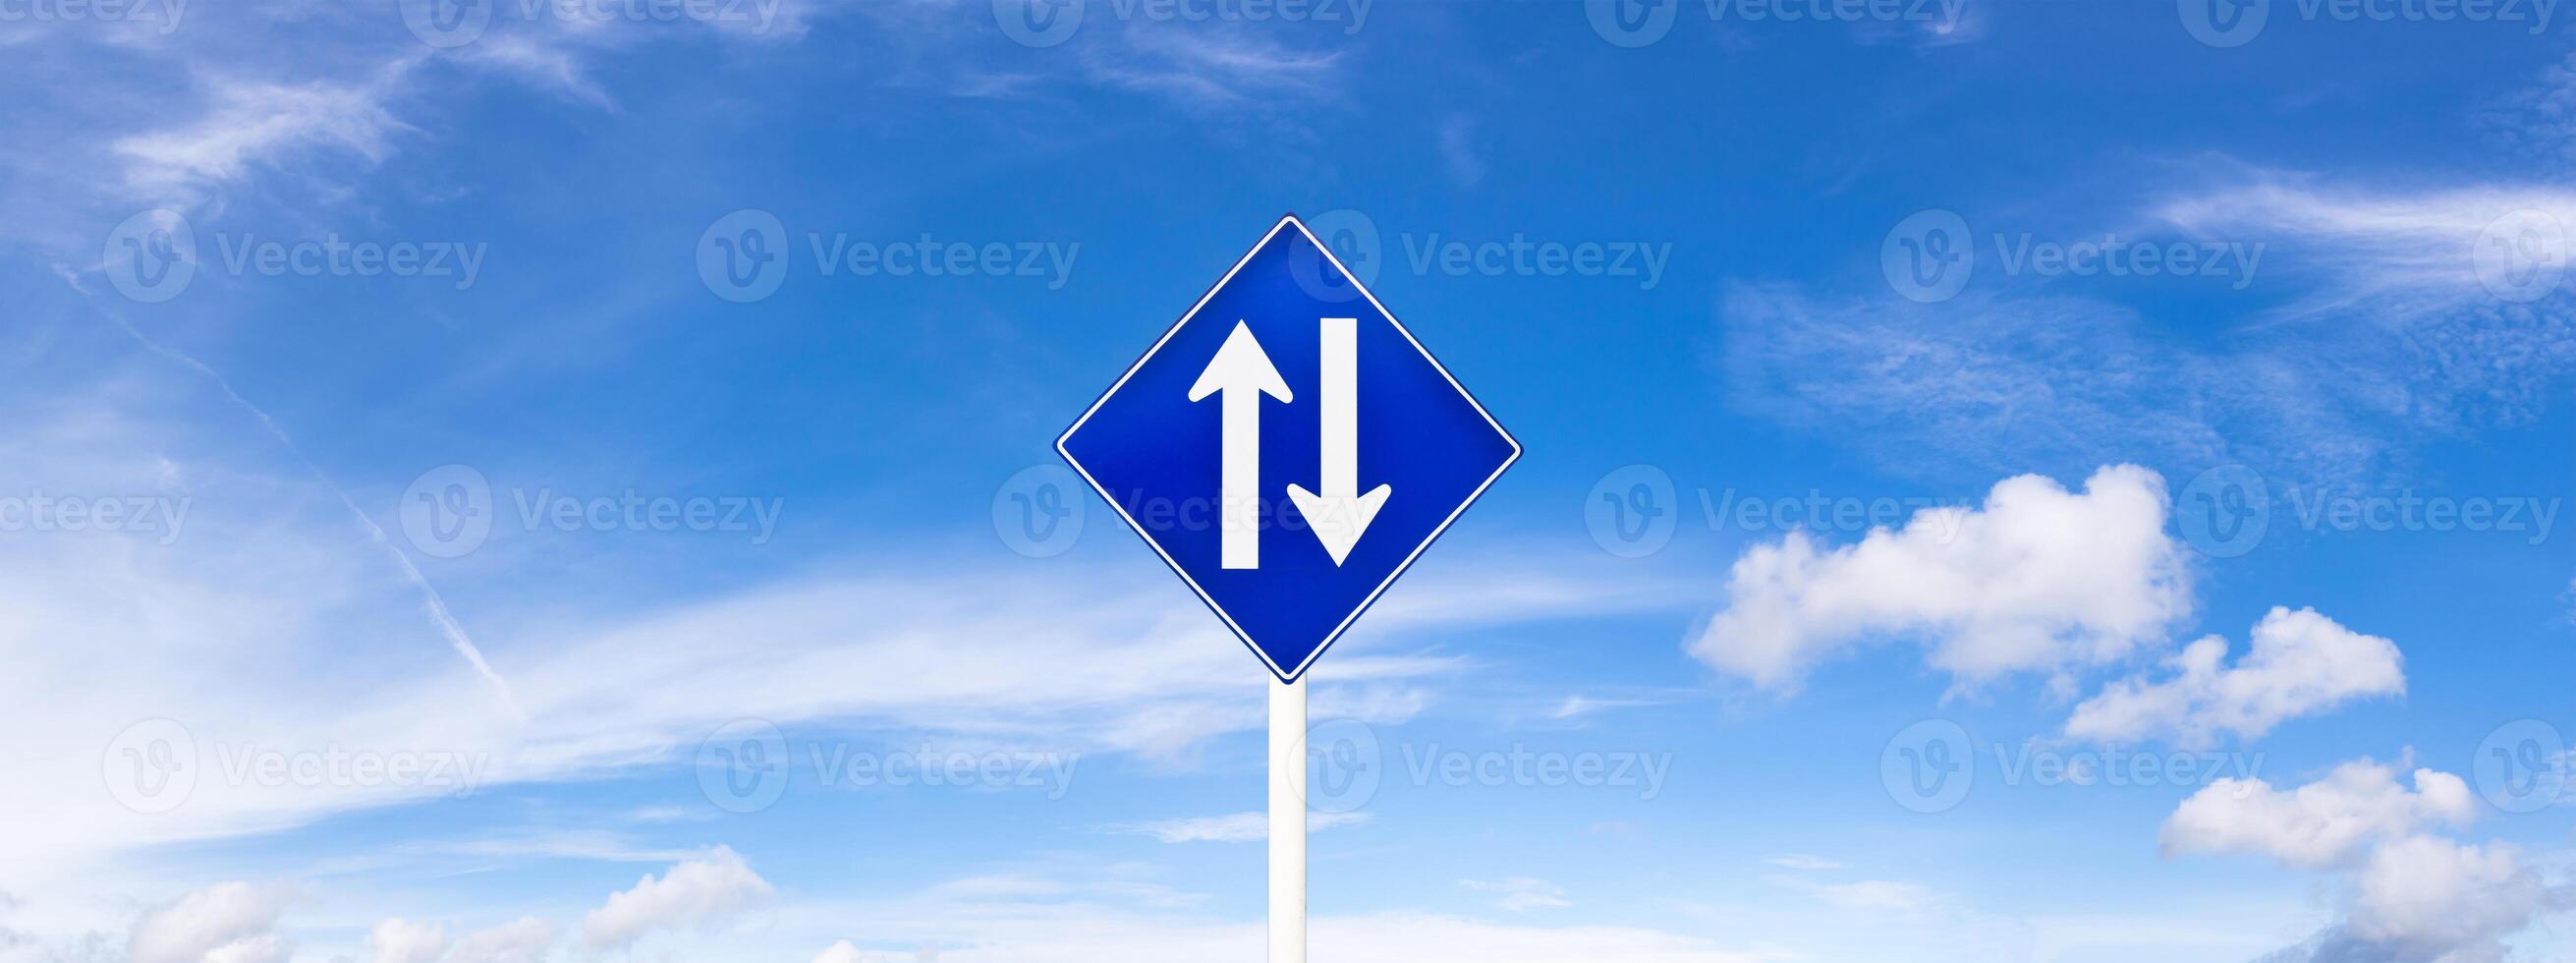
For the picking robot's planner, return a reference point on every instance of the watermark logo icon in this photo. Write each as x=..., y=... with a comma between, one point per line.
x=742, y=257
x=151, y=766
x=151, y=256
x=742, y=766
x=1038, y=23
x=2224, y=23
x=1631, y=511
x=2521, y=767
x=2224, y=511
x=1928, y=256
x=1353, y=239
x=447, y=511
x=447, y=24
x=1929, y=766
x=1344, y=765
x=2521, y=256
x=1631, y=23
x=1038, y=511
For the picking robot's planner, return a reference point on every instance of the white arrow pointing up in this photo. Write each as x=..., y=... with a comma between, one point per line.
x=1341, y=514
x=1243, y=374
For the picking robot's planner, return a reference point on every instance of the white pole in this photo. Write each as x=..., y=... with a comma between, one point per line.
x=1287, y=824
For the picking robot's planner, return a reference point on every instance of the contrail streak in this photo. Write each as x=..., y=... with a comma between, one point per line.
x=430, y=600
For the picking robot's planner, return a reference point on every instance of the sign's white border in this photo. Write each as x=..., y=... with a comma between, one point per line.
x=1288, y=675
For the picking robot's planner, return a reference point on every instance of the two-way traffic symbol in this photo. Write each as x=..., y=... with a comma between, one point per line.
x=1241, y=373
x=1255, y=416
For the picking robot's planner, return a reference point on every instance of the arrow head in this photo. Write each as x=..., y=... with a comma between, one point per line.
x=1339, y=520
x=1240, y=363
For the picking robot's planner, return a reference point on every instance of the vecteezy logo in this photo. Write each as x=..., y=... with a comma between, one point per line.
x=1353, y=240
x=1631, y=23
x=1344, y=765
x=447, y=23
x=2223, y=23
x=742, y=257
x=1928, y=256
x=2521, y=767
x=1038, y=512
x=2224, y=511
x=742, y=767
x=151, y=766
x=151, y=256
x=447, y=511
x=2521, y=256
x=1929, y=766
x=1038, y=23
x=1630, y=511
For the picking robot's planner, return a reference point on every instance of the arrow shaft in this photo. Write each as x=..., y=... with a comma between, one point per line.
x=1239, y=482
x=1341, y=407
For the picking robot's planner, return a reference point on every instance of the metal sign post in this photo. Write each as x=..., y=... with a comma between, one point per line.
x=1287, y=823
x=1289, y=449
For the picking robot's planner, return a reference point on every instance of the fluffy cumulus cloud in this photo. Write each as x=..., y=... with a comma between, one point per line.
x=699, y=892
x=237, y=922
x=841, y=952
x=2445, y=900
x=227, y=923
x=525, y=940
x=2411, y=895
x=2322, y=824
x=403, y=941
x=2038, y=579
x=2300, y=663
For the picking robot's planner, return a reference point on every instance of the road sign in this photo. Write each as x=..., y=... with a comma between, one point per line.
x=1288, y=447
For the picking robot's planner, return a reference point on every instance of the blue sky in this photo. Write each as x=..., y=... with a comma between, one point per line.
x=426, y=542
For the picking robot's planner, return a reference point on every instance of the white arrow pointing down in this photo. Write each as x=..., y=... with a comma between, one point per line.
x=1341, y=513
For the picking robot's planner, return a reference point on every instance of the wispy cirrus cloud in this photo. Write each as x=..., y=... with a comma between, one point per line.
x=1232, y=828
x=249, y=123
x=1519, y=894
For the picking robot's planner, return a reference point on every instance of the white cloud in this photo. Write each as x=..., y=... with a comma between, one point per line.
x=226, y=923
x=275, y=574
x=1458, y=147
x=1578, y=706
x=1208, y=69
x=2300, y=663
x=2386, y=334
x=1804, y=863
x=2320, y=825
x=402, y=941
x=2446, y=900
x=2411, y=895
x=1234, y=828
x=1995, y=384
x=2417, y=246
x=1868, y=895
x=2038, y=579
x=1520, y=894
x=697, y=893
x=846, y=952
x=527, y=939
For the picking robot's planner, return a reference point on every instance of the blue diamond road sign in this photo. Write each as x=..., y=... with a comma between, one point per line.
x=1288, y=447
